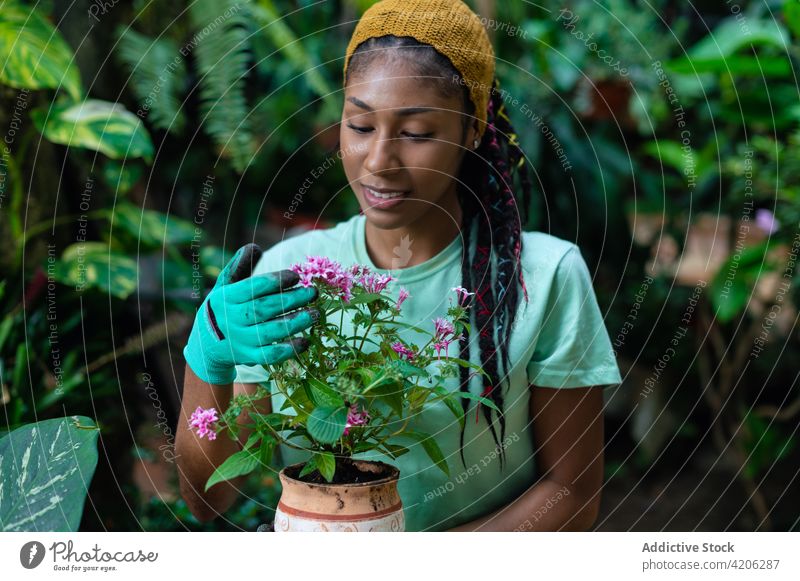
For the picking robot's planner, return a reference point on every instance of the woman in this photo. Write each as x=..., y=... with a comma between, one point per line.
x=434, y=163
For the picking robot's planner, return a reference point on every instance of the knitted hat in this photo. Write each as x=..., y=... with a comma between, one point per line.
x=450, y=26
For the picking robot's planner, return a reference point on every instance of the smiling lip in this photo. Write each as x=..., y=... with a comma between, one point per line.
x=381, y=203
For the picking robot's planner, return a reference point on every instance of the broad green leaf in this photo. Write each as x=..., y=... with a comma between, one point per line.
x=96, y=125
x=121, y=176
x=93, y=265
x=326, y=464
x=33, y=54
x=45, y=472
x=322, y=394
x=431, y=448
x=237, y=464
x=391, y=394
x=407, y=369
x=326, y=424
x=153, y=228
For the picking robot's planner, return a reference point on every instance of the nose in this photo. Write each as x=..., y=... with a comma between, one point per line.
x=382, y=155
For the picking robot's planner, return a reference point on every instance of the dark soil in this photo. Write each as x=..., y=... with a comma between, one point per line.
x=347, y=472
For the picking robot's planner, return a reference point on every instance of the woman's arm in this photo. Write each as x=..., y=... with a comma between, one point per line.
x=197, y=458
x=568, y=431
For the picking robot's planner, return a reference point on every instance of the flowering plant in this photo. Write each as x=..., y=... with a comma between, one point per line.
x=345, y=399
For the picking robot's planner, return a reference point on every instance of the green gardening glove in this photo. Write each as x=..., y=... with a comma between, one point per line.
x=243, y=320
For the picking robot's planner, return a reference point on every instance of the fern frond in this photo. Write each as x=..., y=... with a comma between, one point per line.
x=222, y=52
x=158, y=73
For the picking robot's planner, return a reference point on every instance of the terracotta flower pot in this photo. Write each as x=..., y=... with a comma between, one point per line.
x=371, y=505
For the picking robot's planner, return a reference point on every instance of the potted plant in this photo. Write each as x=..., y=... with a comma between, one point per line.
x=354, y=390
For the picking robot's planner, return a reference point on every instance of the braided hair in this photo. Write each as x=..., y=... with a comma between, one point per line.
x=489, y=206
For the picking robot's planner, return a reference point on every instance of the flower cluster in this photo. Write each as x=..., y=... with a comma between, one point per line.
x=328, y=271
x=355, y=418
x=335, y=275
x=444, y=335
x=201, y=421
x=403, y=351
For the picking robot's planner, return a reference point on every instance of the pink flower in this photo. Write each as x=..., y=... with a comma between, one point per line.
x=403, y=351
x=463, y=294
x=355, y=418
x=766, y=221
x=202, y=421
x=328, y=271
x=444, y=335
x=443, y=327
x=401, y=297
x=374, y=282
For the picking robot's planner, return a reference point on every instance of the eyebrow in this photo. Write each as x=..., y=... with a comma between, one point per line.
x=399, y=112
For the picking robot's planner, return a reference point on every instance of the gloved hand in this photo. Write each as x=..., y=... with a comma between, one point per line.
x=239, y=322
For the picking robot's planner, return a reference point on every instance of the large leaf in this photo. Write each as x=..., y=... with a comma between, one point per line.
x=237, y=464
x=45, y=471
x=97, y=125
x=326, y=424
x=33, y=53
x=94, y=265
x=153, y=228
x=323, y=394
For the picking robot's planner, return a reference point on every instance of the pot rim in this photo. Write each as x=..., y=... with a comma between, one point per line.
x=394, y=474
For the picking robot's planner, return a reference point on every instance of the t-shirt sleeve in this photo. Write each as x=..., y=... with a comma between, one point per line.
x=572, y=348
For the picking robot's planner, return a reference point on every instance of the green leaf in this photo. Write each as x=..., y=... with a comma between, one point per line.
x=732, y=286
x=391, y=394
x=326, y=464
x=153, y=228
x=407, y=369
x=34, y=54
x=308, y=467
x=366, y=298
x=737, y=66
x=45, y=472
x=326, y=424
x=121, y=176
x=394, y=451
x=451, y=403
x=94, y=265
x=431, y=448
x=485, y=401
x=96, y=125
x=237, y=464
x=322, y=394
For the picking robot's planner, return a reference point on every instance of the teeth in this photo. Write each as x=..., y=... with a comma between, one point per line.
x=387, y=196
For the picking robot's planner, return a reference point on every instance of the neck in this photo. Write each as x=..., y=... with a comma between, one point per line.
x=418, y=241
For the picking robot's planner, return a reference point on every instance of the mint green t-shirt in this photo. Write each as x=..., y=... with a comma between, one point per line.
x=558, y=340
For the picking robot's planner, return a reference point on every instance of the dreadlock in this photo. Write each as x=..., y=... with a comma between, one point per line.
x=489, y=206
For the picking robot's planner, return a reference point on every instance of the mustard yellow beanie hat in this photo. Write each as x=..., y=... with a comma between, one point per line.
x=450, y=26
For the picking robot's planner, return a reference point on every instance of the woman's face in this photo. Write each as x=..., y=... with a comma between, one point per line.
x=401, y=136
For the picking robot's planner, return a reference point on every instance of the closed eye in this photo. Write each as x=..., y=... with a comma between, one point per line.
x=412, y=136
